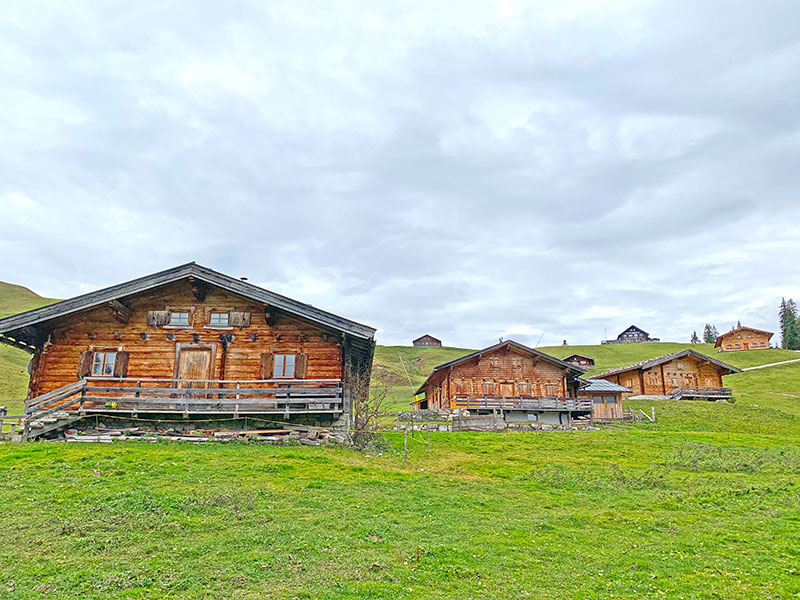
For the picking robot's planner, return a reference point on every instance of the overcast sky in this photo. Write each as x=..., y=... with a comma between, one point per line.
x=501, y=169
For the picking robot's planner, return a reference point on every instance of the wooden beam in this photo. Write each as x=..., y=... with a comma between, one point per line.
x=17, y=344
x=199, y=289
x=121, y=312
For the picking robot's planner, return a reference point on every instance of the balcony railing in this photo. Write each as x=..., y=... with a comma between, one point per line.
x=133, y=396
x=702, y=392
x=504, y=403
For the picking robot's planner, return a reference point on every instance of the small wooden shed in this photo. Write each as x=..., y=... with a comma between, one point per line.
x=606, y=398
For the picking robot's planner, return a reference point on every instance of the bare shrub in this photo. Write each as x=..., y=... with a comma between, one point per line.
x=368, y=407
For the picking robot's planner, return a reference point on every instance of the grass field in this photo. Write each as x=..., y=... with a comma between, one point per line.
x=703, y=505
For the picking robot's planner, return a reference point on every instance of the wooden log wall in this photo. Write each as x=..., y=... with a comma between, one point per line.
x=665, y=378
x=152, y=349
x=506, y=370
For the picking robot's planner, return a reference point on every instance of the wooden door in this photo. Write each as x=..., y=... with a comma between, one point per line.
x=194, y=363
x=507, y=390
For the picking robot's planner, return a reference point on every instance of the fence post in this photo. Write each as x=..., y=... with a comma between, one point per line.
x=428, y=437
x=653, y=411
x=405, y=446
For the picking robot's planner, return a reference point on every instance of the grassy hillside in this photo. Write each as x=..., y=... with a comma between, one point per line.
x=13, y=362
x=702, y=504
x=15, y=299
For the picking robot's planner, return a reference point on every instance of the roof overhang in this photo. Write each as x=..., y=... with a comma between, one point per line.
x=18, y=324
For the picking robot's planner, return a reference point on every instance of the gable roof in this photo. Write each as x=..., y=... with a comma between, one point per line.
x=633, y=327
x=601, y=385
x=576, y=355
x=427, y=335
x=510, y=344
x=192, y=269
x=653, y=362
x=718, y=343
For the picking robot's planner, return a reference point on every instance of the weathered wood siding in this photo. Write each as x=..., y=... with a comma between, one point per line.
x=665, y=378
x=97, y=329
x=500, y=373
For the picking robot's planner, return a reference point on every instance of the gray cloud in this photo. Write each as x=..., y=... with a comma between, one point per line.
x=514, y=169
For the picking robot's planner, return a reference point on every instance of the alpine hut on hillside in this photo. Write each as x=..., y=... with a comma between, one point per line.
x=520, y=382
x=685, y=374
x=579, y=360
x=427, y=340
x=193, y=343
x=744, y=338
x=632, y=335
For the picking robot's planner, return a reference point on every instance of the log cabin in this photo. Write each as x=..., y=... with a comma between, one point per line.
x=685, y=374
x=520, y=382
x=192, y=342
x=579, y=360
x=632, y=335
x=744, y=338
x=427, y=340
x=606, y=398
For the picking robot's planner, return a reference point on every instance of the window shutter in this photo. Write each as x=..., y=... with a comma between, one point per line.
x=157, y=317
x=300, y=366
x=266, y=365
x=85, y=364
x=239, y=319
x=121, y=365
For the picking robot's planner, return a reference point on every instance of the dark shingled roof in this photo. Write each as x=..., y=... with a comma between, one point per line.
x=231, y=284
x=576, y=370
x=646, y=364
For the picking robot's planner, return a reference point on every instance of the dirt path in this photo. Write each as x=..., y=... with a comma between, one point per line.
x=785, y=362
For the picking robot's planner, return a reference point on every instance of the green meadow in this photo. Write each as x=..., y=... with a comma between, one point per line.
x=703, y=504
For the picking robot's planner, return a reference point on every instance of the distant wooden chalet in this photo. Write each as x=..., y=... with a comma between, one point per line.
x=685, y=374
x=579, y=360
x=193, y=343
x=632, y=335
x=744, y=338
x=427, y=340
x=606, y=398
x=522, y=383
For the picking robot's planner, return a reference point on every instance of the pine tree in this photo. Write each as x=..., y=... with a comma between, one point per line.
x=710, y=334
x=790, y=325
x=738, y=324
x=695, y=339
x=714, y=334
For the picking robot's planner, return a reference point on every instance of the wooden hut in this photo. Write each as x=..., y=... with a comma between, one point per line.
x=579, y=360
x=606, y=398
x=632, y=335
x=193, y=342
x=520, y=382
x=685, y=374
x=427, y=340
x=744, y=338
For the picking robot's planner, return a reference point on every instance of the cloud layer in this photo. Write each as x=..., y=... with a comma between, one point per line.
x=507, y=169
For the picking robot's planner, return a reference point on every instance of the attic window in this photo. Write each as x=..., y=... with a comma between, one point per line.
x=219, y=319
x=179, y=318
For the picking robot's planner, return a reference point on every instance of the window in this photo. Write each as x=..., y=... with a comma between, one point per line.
x=524, y=389
x=284, y=366
x=763, y=343
x=103, y=363
x=487, y=388
x=737, y=345
x=179, y=318
x=749, y=335
x=219, y=319
x=730, y=346
x=597, y=399
x=738, y=337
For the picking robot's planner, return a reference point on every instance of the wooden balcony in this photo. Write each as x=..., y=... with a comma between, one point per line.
x=113, y=395
x=702, y=393
x=506, y=403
